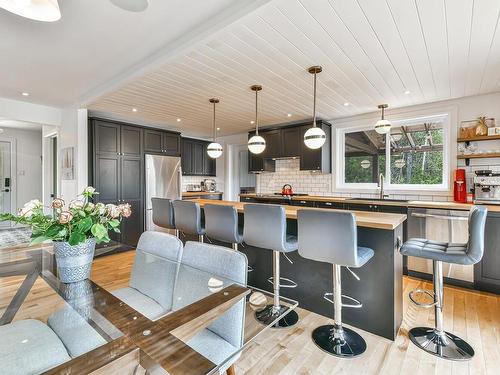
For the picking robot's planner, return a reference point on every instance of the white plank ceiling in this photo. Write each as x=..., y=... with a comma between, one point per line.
x=400, y=52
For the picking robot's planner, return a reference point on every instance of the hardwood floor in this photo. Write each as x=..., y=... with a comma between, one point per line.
x=474, y=316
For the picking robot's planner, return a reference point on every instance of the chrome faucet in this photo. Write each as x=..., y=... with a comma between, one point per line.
x=382, y=196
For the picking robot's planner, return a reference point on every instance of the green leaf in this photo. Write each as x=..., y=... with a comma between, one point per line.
x=85, y=224
x=99, y=231
x=75, y=238
x=53, y=230
x=38, y=240
x=114, y=223
x=116, y=230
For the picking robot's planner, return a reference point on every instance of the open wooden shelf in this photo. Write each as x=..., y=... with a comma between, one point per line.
x=479, y=138
x=479, y=156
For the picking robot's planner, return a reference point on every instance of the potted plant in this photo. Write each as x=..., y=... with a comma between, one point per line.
x=74, y=230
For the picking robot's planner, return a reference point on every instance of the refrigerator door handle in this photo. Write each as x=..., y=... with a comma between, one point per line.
x=179, y=182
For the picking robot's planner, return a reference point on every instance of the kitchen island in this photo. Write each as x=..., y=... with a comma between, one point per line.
x=380, y=286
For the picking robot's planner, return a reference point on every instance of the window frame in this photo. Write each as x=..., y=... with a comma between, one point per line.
x=388, y=186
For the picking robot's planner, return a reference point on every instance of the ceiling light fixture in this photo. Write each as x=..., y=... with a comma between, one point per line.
x=256, y=144
x=38, y=10
x=134, y=109
x=407, y=92
x=131, y=5
x=25, y=94
x=179, y=120
x=289, y=115
x=314, y=137
x=214, y=149
x=346, y=104
x=383, y=126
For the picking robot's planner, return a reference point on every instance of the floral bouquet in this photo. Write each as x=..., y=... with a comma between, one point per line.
x=75, y=224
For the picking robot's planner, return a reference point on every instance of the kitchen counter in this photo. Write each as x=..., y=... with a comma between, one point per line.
x=387, y=202
x=377, y=220
x=380, y=288
x=190, y=194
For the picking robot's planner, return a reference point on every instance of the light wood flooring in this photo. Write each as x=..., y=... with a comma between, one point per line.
x=474, y=316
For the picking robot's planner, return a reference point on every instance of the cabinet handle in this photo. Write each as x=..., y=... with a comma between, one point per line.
x=442, y=217
x=328, y=203
x=303, y=202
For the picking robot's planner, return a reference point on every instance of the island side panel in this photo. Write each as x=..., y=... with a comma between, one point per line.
x=380, y=287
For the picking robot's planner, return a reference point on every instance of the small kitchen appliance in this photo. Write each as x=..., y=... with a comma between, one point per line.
x=460, y=186
x=287, y=190
x=487, y=188
x=209, y=185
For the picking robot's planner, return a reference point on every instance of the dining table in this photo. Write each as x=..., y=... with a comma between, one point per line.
x=102, y=333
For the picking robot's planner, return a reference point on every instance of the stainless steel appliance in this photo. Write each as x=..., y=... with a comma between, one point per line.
x=487, y=189
x=209, y=185
x=439, y=225
x=163, y=180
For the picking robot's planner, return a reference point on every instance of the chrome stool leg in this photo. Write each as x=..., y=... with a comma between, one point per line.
x=336, y=339
x=436, y=340
x=270, y=312
x=235, y=246
x=177, y=233
x=200, y=238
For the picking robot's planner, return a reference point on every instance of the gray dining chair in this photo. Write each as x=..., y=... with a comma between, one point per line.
x=188, y=218
x=224, y=337
x=152, y=282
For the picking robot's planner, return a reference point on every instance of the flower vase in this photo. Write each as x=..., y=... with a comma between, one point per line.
x=74, y=263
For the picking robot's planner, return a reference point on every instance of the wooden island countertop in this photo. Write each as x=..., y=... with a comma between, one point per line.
x=376, y=220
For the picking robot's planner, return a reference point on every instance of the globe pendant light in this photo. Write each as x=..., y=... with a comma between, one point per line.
x=256, y=144
x=314, y=137
x=38, y=10
x=383, y=126
x=214, y=149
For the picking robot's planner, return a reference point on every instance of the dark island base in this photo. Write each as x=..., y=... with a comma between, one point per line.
x=380, y=289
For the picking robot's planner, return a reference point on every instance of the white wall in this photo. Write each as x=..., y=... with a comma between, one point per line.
x=28, y=154
x=29, y=112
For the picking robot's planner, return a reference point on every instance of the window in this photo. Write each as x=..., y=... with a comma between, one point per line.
x=415, y=158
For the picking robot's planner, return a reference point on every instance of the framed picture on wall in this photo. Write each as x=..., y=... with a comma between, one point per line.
x=67, y=163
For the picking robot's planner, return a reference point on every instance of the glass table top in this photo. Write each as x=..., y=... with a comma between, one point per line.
x=162, y=307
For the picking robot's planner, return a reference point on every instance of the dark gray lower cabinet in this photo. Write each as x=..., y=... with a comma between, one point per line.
x=487, y=272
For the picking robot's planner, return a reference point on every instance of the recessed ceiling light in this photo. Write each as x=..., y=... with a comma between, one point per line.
x=218, y=129
x=25, y=94
x=407, y=92
x=346, y=104
x=289, y=115
x=178, y=120
x=134, y=109
x=252, y=122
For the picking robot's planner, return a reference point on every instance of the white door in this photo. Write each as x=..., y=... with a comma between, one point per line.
x=5, y=180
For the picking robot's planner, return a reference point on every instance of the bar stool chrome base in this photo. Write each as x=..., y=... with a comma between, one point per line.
x=267, y=315
x=444, y=345
x=339, y=341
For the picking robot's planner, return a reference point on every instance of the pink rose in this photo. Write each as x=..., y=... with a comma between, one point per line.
x=57, y=203
x=113, y=211
x=125, y=209
x=65, y=217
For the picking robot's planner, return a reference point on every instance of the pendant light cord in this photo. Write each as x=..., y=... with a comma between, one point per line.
x=383, y=113
x=256, y=113
x=314, y=102
x=215, y=130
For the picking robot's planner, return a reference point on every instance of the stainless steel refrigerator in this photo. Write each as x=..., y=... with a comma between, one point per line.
x=163, y=180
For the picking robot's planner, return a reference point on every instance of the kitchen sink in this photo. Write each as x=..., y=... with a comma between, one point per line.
x=378, y=199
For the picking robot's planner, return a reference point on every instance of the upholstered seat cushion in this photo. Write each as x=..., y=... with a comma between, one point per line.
x=140, y=302
x=29, y=347
x=364, y=255
x=77, y=335
x=213, y=347
x=446, y=252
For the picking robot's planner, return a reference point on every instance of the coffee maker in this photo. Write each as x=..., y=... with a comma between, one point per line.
x=209, y=185
x=487, y=187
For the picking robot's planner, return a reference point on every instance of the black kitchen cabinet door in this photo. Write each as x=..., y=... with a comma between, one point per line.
x=290, y=138
x=257, y=163
x=131, y=192
x=302, y=203
x=132, y=227
x=310, y=160
x=487, y=271
x=360, y=207
x=131, y=141
x=106, y=138
x=208, y=163
x=198, y=159
x=187, y=157
x=153, y=141
x=273, y=143
x=172, y=144
x=107, y=178
x=333, y=205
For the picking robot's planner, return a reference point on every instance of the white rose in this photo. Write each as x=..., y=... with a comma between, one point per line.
x=100, y=208
x=89, y=190
x=113, y=211
x=34, y=203
x=76, y=204
x=26, y=212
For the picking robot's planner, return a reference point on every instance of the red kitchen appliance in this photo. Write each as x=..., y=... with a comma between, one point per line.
x=460, y=187
x=287, y=190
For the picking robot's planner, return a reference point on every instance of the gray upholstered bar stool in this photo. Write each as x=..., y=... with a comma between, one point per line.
x=221, y=224
x=188, y=218
x=435, y=340
x=265, y=227
x=163, y=214
x=331, y=237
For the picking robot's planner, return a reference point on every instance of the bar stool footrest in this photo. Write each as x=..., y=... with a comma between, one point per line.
x=291, y=283
x=422, y=291
x=357, y=304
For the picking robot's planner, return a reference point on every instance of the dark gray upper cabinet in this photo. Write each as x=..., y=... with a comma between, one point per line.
x=287, y=142
x=161, y=142
x=290, y=142
x=195, y=160
x=131, y=141
x=106, y=138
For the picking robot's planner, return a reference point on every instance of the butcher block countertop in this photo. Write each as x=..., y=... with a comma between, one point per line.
x=376, y=220
x=200, y=193
x=388, y=202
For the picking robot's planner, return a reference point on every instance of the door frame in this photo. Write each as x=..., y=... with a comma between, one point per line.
x=48, y=171
x=13, y=173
